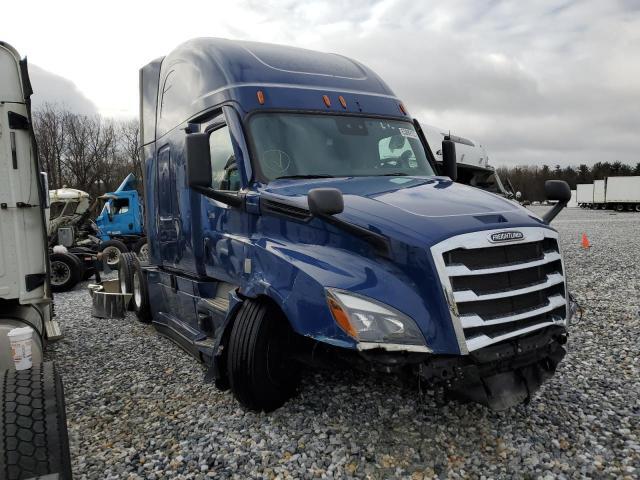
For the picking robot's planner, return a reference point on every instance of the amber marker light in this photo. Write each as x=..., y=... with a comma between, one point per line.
x=260, y=96
x=342, y=101
x=326, y=100
x=402, y=109
x=341, y=317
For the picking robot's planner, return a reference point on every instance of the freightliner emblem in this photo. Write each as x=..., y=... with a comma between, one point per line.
x=506, y=236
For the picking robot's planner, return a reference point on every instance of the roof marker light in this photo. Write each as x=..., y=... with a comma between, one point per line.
x=326, y=99
x=402, y=109
x=342, y=101
x=260, y=96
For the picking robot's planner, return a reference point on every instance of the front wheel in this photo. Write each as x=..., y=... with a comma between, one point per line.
x=142, y=249
x=261, y=372
x=66, y=271
x=111, y=251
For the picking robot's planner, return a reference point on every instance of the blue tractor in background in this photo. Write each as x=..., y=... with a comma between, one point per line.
x=120, y=224
x=118, y=228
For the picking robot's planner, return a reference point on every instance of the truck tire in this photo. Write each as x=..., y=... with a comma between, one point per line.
x=33, y=425
x=112, y=249
x=142, y=249
x=125, y=271
x=261, y=373
x=125, y=274
x=66, y=271
x=140, y=299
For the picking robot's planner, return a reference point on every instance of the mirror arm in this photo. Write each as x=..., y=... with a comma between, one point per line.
x=227, y=198
x=378, y=241
x=553, y=213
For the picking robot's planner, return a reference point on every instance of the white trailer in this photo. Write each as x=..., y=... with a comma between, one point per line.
x=599, y=197
x=584, y=193
x=623, y=193
x=573, y=203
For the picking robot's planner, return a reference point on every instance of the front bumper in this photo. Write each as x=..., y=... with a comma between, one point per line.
x=502, y=375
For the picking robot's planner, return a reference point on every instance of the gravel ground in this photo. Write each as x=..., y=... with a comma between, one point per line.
x=137, y=406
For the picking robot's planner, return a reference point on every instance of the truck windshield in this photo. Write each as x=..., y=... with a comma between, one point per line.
x=291, y=145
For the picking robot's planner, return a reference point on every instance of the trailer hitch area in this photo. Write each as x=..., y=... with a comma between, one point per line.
x=500, y=377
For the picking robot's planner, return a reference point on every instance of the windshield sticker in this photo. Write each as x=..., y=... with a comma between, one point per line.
x=406, y=132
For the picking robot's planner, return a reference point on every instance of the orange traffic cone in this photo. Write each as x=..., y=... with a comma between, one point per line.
x=585, y=242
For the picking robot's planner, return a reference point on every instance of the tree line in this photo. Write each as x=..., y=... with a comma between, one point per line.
x=89, y=153
x=529, y=180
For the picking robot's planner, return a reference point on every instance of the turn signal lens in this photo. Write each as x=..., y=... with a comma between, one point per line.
x=342, y=101
x=341, y=317
x=260, y=95
x=326, y=100
x=402, y=109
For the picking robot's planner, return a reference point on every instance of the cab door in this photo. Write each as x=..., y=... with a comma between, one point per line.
x=168, y=220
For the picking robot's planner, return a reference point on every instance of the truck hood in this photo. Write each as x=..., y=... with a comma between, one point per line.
x=425, y=209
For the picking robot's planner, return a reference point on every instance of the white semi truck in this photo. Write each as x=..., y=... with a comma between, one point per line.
x=599, y=198
x=584, y=193
x=472, y=162
x=33, y=432
x=623, y=193
x=614, y=193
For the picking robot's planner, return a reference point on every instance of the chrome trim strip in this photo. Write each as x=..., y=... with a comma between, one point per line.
x=462, y=270
x=483, y=340
x=471, y=321
x=470, y=296
x=393, y=347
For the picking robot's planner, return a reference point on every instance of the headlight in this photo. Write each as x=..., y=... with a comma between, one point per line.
x=372, y=322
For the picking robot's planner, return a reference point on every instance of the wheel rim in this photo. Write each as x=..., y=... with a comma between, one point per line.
x=60, y=273
x=112, y=255
x=137, y=292
x=143, y=254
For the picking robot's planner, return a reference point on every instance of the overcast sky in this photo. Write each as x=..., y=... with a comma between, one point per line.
x=555, y=83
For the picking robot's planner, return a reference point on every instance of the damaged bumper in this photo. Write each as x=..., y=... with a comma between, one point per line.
x=502, y=375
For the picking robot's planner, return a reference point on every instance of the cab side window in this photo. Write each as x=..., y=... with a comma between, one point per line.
x=223, y=161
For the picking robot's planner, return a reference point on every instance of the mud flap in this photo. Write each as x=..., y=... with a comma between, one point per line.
x=506, y=389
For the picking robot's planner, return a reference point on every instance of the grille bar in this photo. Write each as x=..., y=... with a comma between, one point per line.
x=473, y=321
x=502, y=290
x=483, y=340
x=470, y=296
x=462, y=270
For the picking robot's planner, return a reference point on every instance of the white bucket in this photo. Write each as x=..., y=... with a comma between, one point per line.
x=20, y=339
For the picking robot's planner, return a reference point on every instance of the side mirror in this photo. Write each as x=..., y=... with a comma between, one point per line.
x=198, y=160
x=325, y=201
x=449, y=158
x=556, y=190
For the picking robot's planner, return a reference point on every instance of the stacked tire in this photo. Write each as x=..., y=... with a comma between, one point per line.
x=33, y=425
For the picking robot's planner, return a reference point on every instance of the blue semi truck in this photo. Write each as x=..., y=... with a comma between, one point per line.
x=296, y=215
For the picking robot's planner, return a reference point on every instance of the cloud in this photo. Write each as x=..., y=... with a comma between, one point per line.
x=54, y=89
x=551, y=81
x=546, y=82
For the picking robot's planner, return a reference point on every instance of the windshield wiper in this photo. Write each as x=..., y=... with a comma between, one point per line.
x=318, y=175
x=394, y=174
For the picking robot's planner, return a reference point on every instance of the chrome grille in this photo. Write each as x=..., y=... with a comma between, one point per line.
x=501, y=290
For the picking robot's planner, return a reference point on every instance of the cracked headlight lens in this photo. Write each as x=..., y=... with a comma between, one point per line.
x=367, y=320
